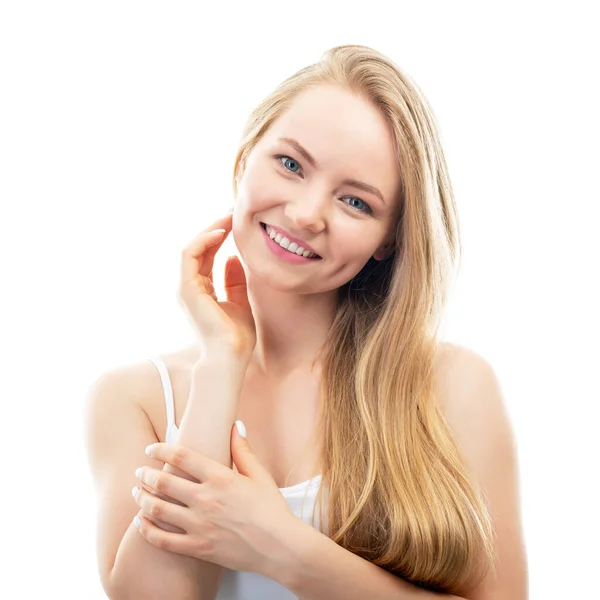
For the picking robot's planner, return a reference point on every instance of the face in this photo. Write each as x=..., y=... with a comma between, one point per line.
x=330, y=199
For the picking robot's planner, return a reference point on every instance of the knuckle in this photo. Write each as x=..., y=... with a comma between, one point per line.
x=222, y=479
x=161, y=484
x=205, y=547
x=180, y=455
x=212, y=506
x=160, y=542
x=198, y=496
x=155, y=509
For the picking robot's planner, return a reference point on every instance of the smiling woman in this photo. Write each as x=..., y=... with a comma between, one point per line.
x=402, y=490
x=417, y=475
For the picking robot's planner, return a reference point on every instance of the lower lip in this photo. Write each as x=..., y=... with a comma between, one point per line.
x=283, y=253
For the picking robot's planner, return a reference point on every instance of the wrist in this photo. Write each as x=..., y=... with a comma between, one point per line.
x=287, y=564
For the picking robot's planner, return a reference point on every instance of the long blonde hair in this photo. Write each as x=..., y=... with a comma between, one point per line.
x=398, y=490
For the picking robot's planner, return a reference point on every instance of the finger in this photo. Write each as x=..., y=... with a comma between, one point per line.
x=180, y=543
x=197, y=263
x=161, y=510
x=198, y=256
x=161, y=524
x=163, y=496
x=193, y=463
x=235, y=282
x=168, y=486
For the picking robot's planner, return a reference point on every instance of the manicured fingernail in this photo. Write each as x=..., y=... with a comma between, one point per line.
x=149, y=449
x=135, y=491
x=241, y=428
x=138, y=472
x=137, y=522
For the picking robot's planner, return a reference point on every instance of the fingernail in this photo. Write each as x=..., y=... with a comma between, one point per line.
x=137, y=522
x=138, y=472
x=134, y=491
x=241, y=428
x=148, y=449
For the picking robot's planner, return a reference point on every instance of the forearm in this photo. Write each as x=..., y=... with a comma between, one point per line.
x=323, y=570
x=143, y=570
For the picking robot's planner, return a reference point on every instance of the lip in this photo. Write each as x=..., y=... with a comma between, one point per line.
x=292, y=238
x=282, y=253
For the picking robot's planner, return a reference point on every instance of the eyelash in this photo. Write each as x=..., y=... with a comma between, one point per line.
x=368, y=209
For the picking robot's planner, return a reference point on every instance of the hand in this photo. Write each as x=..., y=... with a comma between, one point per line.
x=230, y=323
x=240, y=520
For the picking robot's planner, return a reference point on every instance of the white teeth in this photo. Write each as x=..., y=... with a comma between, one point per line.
x=285, y=243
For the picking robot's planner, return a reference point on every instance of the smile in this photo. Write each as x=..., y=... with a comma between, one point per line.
x=285, y=253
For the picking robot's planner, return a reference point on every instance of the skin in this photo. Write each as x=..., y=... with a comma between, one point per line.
x=348, y=138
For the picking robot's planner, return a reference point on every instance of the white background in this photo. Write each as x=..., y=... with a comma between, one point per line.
x=119, y=122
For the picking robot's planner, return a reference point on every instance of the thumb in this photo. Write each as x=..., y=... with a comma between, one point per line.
x=245, y=460
x=235, y=282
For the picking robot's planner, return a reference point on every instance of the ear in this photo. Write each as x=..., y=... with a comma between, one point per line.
x=384, y=251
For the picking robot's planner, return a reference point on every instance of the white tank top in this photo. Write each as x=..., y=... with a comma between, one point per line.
x=244, y=585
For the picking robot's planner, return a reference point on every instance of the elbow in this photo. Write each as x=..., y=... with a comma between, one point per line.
x=115, y=590
x=111, y=586
x=129, y=590
x=123, y=588
x=132, y=586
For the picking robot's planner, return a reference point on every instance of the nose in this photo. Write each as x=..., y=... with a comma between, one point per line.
x=309, y=212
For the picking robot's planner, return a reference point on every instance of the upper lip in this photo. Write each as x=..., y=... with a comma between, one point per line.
x=290, y=237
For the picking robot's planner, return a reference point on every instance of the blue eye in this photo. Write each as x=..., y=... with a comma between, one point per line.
x=289, y=161
x=367, y=208
x=293, y=166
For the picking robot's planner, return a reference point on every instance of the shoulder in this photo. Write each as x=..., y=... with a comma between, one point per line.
x=473, y=404
x=470, y=396
x=472, y=401
x=454, y=362
x=128, y=383
x=462, y=375
x=139, y=383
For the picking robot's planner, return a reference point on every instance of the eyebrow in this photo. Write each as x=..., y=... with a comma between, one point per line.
x=361, y=185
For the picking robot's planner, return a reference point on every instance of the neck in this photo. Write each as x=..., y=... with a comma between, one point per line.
x=290, y=328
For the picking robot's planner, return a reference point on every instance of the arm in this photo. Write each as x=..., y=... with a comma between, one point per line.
x=323, y=570
x=117, y=432
x=474, y=408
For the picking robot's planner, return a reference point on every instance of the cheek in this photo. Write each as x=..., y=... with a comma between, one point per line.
x=357, y=252
x=353, y=238
x=263, y=184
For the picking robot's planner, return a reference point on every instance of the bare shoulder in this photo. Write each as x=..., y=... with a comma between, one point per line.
x=456, y=361
x=462, y=375
x=140, y=383
x=471, y=398
x=472, y=401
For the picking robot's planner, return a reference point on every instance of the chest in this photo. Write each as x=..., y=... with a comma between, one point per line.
x=280, y=421
x=280, y=418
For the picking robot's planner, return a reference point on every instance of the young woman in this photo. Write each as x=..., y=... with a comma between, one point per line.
x=327, y=350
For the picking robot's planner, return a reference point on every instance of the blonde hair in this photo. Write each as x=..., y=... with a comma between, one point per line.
x=398, y=490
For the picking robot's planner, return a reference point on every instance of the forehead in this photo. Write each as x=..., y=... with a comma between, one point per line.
x=346, y=134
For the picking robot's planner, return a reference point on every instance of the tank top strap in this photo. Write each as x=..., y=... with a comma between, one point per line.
x=168, y=390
